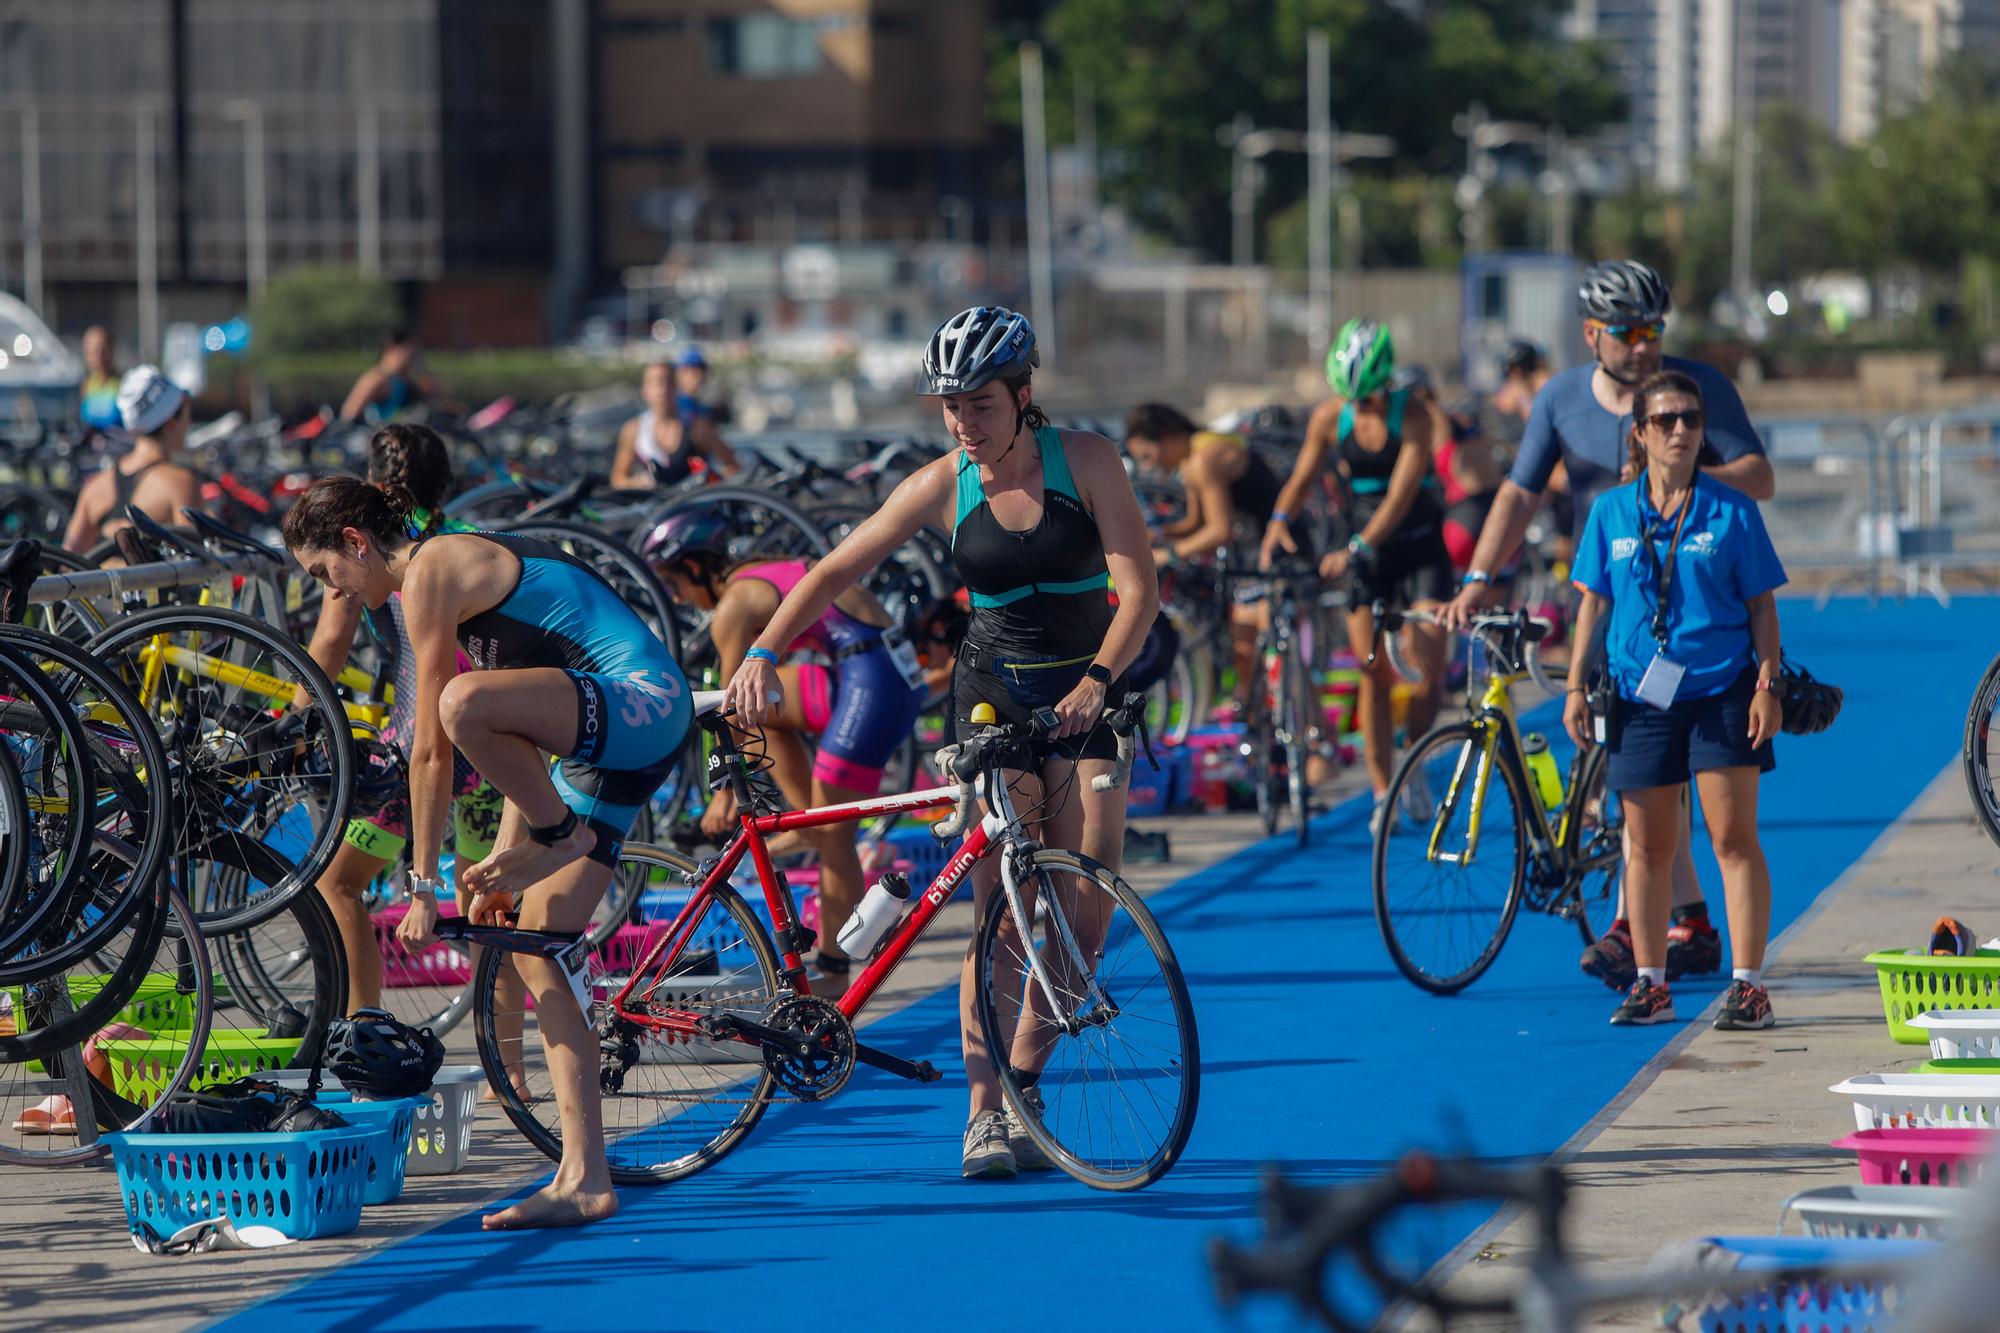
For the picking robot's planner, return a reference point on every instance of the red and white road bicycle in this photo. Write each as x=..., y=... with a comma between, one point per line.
x=706, y=1020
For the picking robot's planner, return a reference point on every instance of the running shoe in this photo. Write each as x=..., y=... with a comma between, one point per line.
x=1645, y=1005
x=1694, y=949
x=1375, y=819
x=1419, y=806
x=1028, y=1155
x=987, y=1156
x=1745, y=1008
x=1610, y=959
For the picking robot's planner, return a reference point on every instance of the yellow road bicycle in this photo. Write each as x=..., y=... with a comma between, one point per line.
x=1479, y=823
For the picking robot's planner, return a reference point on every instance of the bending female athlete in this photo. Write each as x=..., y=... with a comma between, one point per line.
x=414, y=458
x=561, y=667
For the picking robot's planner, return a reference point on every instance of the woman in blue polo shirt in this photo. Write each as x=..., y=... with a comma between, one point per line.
x=1682, y=571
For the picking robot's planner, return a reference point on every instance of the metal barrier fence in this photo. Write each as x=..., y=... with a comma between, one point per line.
x=1888, y=507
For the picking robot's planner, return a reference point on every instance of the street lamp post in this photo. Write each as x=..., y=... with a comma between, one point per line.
x=256, y=214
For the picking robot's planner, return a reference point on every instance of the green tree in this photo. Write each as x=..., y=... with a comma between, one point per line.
x=312, y=310
x=1165, y=75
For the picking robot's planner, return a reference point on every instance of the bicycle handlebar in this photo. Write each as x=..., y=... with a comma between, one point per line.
x=1510, y=636
x=966, y=761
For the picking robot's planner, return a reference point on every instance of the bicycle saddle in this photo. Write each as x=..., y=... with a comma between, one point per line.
x=223, y=535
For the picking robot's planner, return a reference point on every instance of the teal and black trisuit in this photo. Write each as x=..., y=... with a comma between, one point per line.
x=1041, y=602
x=1414, y=564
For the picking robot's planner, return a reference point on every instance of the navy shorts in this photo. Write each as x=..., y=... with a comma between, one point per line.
x=630, y=731
x=1665, y=747
x=1016, y=685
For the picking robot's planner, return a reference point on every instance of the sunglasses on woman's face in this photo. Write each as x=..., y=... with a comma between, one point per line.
x=1664, y=422
x=1634, y=334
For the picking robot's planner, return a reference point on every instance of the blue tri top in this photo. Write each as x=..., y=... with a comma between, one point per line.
x=1567, y=424
x=560, y=614
x=1042, y=592
x=1725, y=559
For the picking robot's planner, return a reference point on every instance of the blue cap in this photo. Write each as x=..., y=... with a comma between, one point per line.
x=692, y=357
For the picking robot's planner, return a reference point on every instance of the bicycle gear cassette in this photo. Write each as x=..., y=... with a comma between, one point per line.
x=829, y=1041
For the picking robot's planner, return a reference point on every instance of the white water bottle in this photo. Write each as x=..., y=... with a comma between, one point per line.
x=881, y=907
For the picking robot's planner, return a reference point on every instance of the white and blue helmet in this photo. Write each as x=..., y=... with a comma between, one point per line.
x=976, y=347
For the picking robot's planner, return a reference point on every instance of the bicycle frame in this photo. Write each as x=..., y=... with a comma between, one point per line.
x=1494, y=719
x=999, y=825
x=160, y=656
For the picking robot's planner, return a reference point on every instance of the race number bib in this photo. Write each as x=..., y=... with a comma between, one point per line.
x=904, y=655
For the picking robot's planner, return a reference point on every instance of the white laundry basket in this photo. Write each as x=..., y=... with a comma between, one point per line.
x=1923, y=1101
x=1921, y=1211
x=1961, y=1034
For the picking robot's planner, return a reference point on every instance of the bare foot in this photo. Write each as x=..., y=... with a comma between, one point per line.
x=554, y=1207
x=516, y=869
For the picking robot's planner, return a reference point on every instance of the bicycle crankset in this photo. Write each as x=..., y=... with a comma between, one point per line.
x=822, y=1054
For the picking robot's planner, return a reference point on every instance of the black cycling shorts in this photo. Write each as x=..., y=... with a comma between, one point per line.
x=1016, y=686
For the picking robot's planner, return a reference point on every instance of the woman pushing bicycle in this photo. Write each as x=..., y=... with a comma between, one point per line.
x=1042, y=521
x=1397, y=554
x=861, y=702
x=1680, y=567
x=561, y=667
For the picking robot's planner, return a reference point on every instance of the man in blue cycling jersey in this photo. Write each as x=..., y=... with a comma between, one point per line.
x=1582, y=419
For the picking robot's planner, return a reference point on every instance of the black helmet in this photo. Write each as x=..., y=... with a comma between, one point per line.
x=374, y=1053
x=976, y=347
x=1410, y=377
x=1809, y=705
x=1623, y=291
x=1520, y=356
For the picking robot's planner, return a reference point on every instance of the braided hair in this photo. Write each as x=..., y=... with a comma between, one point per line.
x=334, y=504
x=414, y=459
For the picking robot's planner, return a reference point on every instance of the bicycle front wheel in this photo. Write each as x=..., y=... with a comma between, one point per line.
x=1116, y=1058
x=1443, y=901
x=672, y=1106
x=1300, y=699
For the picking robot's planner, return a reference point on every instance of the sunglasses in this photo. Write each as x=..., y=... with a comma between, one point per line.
x=1666, y=421
x=1634, y=334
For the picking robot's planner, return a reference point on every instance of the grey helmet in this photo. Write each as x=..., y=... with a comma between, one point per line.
x=976, y=347
x=1623, y=291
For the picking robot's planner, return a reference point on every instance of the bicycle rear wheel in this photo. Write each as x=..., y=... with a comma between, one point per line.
x=1445, y=920
x=1978, y=752
x=671, y=1106
x=1114, y=1100
x=1597, y=850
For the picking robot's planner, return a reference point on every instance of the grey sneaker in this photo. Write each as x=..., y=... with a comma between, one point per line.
x=1028, y=1155
x=1419, y=807
x=987, y=1156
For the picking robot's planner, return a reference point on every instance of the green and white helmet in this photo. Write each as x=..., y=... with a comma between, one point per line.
x=1361, y=360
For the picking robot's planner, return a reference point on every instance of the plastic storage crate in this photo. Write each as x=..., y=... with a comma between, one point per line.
x=1915, y=983
x=1877, y=1211
x=926, y=857
x=441, y=964
x=1961, y=1034
x=1817, y=1305
x=1930, y=1157
x=1923, y=1101
x=141, y=1067
x=304, y=1185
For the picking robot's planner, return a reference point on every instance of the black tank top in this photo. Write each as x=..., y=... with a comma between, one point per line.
x=1255, y=493
x=1369, y=470
x=125, y=485
x=1044, y=592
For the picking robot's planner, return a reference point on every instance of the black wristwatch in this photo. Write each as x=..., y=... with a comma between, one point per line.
x=1098, y=672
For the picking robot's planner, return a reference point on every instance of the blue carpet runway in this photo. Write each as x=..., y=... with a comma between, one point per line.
x=1316, y=1054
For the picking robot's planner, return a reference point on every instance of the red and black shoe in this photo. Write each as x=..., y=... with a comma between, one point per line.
x=1645, y=1004
x=1610, y=960
x=1694, y=949
x=1745, y=1008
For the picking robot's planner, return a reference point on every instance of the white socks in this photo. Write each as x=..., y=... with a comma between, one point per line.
x=1656, y=975
x=1753, y=975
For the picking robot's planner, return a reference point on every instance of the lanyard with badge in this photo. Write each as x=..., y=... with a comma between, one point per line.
x=1663, y=675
